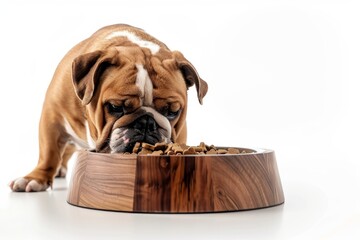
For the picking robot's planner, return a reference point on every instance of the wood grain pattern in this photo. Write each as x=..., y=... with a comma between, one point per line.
x=152, y=185
x=191, y=184
x=251, y=183
x=170, y=184
x=176, y=184
x=103, y=180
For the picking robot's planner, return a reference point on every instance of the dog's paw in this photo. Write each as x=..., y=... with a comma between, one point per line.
x=61, y=172
x=27, y=185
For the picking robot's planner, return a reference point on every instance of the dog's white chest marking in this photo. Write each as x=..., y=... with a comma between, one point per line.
x=89, y=144
x=143, y=82
x=154, y=48
x=90, y=140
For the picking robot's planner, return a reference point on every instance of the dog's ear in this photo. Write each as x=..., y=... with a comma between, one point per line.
x=87, y=70
x=191, y=76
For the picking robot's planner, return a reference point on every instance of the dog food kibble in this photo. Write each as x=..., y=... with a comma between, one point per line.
x=182, y=149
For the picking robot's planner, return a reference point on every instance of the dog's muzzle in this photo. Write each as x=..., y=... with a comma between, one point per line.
x=144, y=129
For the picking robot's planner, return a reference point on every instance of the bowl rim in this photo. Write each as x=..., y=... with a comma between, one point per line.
x=134, y=155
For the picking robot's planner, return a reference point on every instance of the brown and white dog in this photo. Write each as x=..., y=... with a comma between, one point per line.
x=118, y=87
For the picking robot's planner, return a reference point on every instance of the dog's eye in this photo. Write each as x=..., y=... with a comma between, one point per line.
x=172, y=115
x=115, y=110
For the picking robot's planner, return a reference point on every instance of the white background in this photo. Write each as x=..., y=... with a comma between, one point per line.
x=283, y=75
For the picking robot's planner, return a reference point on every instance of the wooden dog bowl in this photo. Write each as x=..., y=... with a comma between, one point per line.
x=176, y=184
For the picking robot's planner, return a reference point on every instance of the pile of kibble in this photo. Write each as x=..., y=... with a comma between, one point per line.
x=181, y=149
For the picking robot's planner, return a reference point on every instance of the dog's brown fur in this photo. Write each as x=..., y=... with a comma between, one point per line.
x=97, y=70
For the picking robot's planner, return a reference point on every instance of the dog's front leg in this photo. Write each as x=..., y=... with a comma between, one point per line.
x=52, y=140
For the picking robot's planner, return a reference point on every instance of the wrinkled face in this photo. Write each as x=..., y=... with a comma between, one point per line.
x=133, y=96
x=141, y=103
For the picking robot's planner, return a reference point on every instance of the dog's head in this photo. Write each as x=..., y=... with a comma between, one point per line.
x=134, y=96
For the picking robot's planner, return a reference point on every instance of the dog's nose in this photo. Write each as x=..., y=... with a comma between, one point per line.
x=146, y=123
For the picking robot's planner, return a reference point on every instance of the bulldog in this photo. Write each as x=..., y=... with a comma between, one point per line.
x=117, y=87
